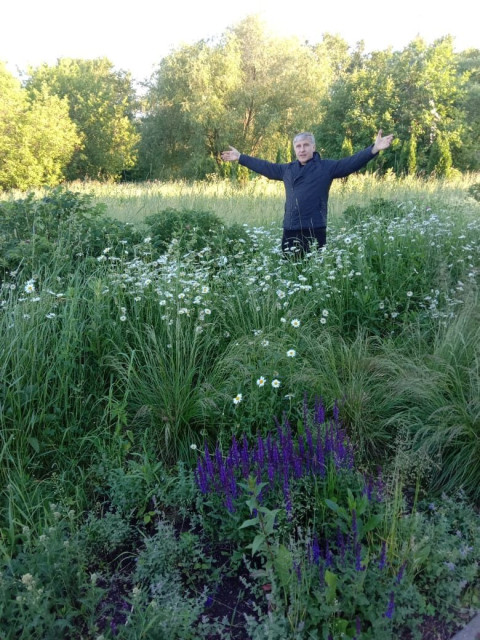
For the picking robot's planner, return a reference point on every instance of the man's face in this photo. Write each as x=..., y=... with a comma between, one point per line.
x=304, y=149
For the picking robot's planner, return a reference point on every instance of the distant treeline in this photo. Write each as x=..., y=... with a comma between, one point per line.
x=82, y=119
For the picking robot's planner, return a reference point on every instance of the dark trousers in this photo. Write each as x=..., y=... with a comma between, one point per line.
x=298, y=242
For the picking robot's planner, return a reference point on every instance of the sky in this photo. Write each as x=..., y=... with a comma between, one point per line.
x=135, y=36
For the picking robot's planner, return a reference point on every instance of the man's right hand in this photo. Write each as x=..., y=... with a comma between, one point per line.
x=230, y=156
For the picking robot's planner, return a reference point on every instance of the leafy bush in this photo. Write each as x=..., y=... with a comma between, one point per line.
x=474, y=191
x=378, y=208
x=340, y=555
x=46, y=590
x=105, y=536
x=63, y=225
x=193, y=230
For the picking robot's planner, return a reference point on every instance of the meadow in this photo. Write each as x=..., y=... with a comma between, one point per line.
x=203, y=439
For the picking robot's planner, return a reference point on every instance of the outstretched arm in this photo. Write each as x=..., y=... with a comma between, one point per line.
x=270, y=170
x=230, y=156
x=382, y=142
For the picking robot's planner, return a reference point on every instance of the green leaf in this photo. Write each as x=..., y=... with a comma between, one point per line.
x=333, y=505
x=269, y=521
x=249, y=523
x=33, y=442
x=372, y=522
x=352, y=503
x=331, y=581
x=257, y=543
x=283, y=564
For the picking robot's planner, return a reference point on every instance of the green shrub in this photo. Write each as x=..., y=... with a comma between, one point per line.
x=62, y=227
x=105, y=536
x=192, y=230
x=474, y=191
x=378, y=208
x=46, y=590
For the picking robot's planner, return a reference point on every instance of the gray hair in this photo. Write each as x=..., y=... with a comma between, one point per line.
x=304, y=134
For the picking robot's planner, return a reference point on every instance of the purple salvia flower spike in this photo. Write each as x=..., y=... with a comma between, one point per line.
x=383, y=556
x=319, y=412
x=400, y=573
x=391, y=606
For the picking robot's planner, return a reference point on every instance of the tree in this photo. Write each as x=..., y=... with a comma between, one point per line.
x=440, y=158
x=283, y=83
x=414, y=93
x=37, y=137
x=102, y=105
x=247, y=89
x=467, y=157
x=187, y=109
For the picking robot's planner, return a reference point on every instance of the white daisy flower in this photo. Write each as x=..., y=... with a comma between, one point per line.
x=29, y=287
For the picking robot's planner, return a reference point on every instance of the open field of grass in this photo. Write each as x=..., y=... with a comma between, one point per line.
x=260, y=201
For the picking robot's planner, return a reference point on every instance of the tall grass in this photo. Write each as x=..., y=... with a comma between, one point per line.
x=260, y=201
x=437, y=399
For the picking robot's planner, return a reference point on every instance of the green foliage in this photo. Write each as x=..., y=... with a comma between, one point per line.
x=46, y=589
x=437, y=399
x=182, y=230
x=171, y=553
x=446, y=570
x=37, y=137
x=163, y=378
x=414, y=93
x=379, y=209
x=104, y=536
x=440, y=161
x=474, y=191
x=247, y=89
x=59, y=228
x=189, y=228
x=349, y=558
x=101, y=103
x=107, y=366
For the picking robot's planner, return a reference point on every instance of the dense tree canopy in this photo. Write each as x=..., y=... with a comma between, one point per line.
x=37, y=137
x=101, y=104
x=415, y=93
x=255, y=92
x=248, y=88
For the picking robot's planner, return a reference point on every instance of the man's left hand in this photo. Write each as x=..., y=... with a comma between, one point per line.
x=382, y=142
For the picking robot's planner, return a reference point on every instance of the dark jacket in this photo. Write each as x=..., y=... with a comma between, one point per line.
x=307, y=186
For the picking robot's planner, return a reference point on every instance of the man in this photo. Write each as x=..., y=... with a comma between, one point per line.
x=307, y=183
